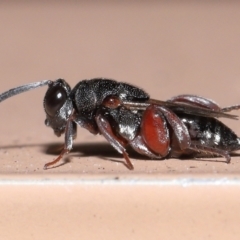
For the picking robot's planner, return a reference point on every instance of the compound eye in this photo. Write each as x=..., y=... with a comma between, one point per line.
x=55, y=97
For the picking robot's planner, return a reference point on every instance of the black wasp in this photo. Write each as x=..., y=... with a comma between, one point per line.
x=185, y=125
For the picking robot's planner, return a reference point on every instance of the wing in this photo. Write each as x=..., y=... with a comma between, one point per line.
x=178, y=107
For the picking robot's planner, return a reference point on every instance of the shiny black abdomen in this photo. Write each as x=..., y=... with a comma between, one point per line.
x=210, y=132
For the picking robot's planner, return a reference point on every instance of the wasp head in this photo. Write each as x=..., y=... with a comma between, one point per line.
x=58, y=105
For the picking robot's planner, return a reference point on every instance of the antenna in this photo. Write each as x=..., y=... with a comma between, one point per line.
x=23, y=88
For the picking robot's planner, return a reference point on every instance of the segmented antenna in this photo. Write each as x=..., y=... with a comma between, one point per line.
x=23, y=88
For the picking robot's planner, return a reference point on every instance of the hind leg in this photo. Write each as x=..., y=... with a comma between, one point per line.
x=181, y=136
x=210, y=150
x=155, y=130
x=198, y=101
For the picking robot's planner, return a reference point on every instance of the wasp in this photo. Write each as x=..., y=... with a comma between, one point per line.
x=184, y=126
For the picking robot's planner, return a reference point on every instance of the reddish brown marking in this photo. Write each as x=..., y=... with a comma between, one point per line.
x=111, y=102
x=64, y=151
x=154, y=131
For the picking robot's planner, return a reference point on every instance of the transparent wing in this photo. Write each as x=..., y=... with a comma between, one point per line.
x=184, y=108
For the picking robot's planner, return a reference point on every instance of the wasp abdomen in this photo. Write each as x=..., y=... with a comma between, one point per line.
x=211, y=132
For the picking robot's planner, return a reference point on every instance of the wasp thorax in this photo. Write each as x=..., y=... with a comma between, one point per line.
x=55, y=97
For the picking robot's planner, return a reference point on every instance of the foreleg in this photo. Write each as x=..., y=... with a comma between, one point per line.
x=70, y=134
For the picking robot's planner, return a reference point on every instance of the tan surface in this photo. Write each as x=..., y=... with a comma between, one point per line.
x=91, y=211
x=165, y=48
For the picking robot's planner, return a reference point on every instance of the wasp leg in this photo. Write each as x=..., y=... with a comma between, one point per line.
x=106, y=130
x=70, y=134
x=179, y=128
x=141, y=147
x=87, y=124
x=231, y=108
x=202, y=102
x=154, y=131
x=198, y=101
x=183, y=138
x=214, y=151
